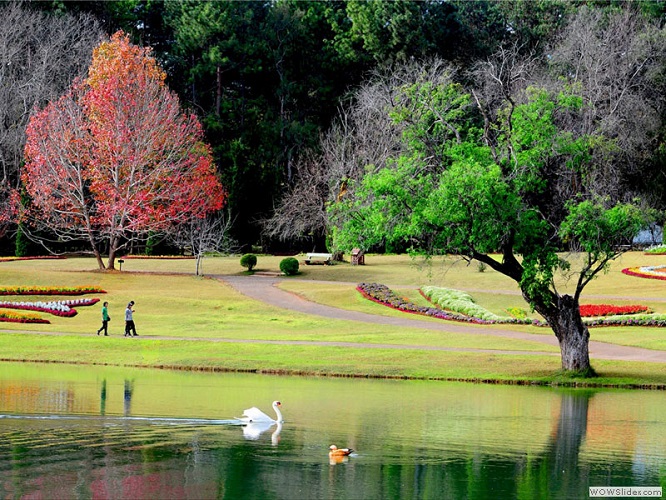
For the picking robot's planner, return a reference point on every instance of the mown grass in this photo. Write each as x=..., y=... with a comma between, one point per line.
x=320, y=360
x=346, y=297
x=185, y=306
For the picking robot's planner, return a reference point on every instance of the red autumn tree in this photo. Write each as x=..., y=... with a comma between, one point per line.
x=116, y=157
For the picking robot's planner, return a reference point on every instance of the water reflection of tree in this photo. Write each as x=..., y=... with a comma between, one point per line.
x=102, y=399
x=557, y=473
x=127, y=397
x=554, y=473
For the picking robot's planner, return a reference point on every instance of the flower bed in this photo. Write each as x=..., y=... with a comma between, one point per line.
x=517, y=312
x=650, y=272
x=63, y=308
x=462, y=303
x=658, y=320
x=595, y=310
x=44, y=257
x=385, y=296
x=656, y=250
x=161, y=257
x=11, y=317
x=49, y=290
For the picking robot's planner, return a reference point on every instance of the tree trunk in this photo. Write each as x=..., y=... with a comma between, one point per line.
x=113, y=249
x=573, y=335
x=96, y=253
x=98, y=257
x=111, y=263
x=218, y=94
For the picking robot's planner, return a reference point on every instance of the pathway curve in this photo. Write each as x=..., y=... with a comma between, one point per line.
x=265, y=290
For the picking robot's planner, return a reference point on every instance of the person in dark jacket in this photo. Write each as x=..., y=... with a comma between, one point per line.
x=129, y=321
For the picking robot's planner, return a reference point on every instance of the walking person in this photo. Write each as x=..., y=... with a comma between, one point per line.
x=129, y=321
x=105, y=320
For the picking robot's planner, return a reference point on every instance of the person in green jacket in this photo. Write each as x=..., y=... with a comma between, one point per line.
x=105, y=319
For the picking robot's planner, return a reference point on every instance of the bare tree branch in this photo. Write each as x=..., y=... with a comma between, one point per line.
x=208, y=235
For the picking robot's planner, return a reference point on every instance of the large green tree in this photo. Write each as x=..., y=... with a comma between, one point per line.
x=474, y=185
x=269, y=77
x=398, y=31
x=266, y=77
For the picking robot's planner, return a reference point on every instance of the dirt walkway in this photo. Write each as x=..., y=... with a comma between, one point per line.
x=265, y=290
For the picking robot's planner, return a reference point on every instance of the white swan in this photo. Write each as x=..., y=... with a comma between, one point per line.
x=254, y=415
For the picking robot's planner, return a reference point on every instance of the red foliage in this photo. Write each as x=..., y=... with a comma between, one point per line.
x=9, y=203
x=594, y=310
x=116, y=154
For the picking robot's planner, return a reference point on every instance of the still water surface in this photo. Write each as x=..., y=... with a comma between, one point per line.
x=93, y=432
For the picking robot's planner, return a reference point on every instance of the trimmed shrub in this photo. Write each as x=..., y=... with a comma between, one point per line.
x=289, y=266
x=248, y=260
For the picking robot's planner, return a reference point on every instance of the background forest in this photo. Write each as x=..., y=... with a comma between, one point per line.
x=293, y=94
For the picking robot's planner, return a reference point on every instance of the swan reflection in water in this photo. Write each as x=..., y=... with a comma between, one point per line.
x=255, y=422
x=254, y=430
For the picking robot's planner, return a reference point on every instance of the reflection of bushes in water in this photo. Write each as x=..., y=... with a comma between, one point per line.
x=537, y=458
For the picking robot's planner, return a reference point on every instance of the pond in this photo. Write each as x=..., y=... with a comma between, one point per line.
x=100, y=432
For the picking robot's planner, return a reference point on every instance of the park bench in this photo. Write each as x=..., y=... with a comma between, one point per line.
x=318, y=258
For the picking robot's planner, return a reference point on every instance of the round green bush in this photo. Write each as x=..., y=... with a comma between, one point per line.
x=289, y=266
x=248, y=260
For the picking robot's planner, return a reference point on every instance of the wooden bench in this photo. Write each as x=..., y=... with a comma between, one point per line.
x=319, y=258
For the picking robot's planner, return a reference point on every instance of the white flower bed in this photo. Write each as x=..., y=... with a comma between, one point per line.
x=460, y=302
x=55, y=307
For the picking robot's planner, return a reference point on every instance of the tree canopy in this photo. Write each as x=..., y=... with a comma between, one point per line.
x=267, y=81
x=116, y=156
x=459, y=187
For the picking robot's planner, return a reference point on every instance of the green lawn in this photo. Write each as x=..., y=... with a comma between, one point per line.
x=186, y=306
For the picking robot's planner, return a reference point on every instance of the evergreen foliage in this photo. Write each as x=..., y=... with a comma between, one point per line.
x=249, y=261
x=289, y=266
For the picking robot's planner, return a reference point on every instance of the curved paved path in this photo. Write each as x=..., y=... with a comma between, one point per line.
x=265, y=290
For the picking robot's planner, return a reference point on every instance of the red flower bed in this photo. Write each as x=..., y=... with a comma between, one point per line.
x=44, y=257
x=594, y=310
x=635, y=271
x=385, y=296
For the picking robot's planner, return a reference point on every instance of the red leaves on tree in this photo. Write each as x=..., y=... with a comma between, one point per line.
x=117, y=154
x=9, y=204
